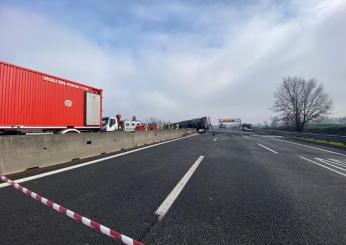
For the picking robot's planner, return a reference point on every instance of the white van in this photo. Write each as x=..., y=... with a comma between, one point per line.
x=130, y=126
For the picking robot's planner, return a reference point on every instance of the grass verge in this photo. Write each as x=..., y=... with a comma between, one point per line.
x=323, y=142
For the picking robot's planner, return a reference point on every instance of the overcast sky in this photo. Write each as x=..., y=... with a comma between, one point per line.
x=181, y=59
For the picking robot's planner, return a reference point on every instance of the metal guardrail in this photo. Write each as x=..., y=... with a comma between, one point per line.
x=325, y=137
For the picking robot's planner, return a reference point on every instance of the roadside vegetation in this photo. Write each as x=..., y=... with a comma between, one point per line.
x=324, y=142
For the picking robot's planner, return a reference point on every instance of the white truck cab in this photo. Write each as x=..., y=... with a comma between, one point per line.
x=109, y=124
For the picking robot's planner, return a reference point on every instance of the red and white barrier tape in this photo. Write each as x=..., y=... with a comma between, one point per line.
x=92, y=224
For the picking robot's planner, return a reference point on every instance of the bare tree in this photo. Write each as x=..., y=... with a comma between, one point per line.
x=300, y=102
x=275, y=121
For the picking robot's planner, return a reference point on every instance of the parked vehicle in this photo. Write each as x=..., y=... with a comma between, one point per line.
x=246, y=127
x=35, y=101
x=109, y=124
x=130, y=126
x=152, y=126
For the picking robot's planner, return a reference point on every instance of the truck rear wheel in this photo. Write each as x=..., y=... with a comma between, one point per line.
x=69, y=131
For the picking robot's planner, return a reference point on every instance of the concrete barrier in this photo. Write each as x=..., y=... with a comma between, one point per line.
x=19, y=153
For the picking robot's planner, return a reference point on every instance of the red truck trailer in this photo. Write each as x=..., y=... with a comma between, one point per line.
x=35, y=101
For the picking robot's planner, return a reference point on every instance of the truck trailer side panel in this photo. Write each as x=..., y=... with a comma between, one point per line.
x=31, y=99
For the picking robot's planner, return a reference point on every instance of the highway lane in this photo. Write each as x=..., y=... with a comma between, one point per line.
x=244, y=194
x=122, y=193
x=240, y=193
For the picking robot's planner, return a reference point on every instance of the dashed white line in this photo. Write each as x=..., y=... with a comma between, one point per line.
x=246, y=137
x=267, y=148
x=306, y=159
x=214, y=140
x=90, y=162
x=167, y=203
x=316, y=148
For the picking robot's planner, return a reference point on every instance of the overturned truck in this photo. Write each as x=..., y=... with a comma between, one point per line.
x=200, y=124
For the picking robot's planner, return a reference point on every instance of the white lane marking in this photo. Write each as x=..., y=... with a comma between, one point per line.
x=167, y=203
x=316, y=148
x=90, y=162
x=306, y=159
x=338, y=161
x=214, y=140
x=329, y=163
x=267, y=148
x=268, y=136
x=246, y=137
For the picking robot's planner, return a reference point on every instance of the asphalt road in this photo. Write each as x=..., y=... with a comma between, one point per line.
x=248, y=189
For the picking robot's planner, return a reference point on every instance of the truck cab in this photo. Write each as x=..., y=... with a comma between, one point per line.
x=109, y=124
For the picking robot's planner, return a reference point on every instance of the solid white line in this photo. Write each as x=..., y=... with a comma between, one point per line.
x=89, y=163
x=306, y=159
x=267, y=148
x=167, y=203
x=316, y=148
x=215, y=139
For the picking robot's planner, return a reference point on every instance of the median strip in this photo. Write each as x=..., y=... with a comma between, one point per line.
x=92, y=162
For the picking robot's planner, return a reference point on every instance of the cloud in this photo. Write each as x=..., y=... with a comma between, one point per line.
x=174, y=60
